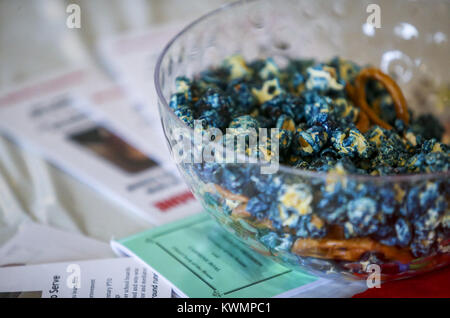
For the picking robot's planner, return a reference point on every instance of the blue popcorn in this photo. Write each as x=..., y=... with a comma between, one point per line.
x=311, y=141
x=376, y=135
x=400, y=125
x=388, y=201
x=416, y=163
x=389, y=241
x=301, y=164
x=427, y=126
x=324, y=164
x=391, y=152
x=244, y=122
x=422, y=243
x=269, y=185
x=212, y=118
x=403, y=230
x=351, y=143
x=412, y=140
x=269, y=70
x=362, y=213
x=244, y=100
x=345, y=111
x=294, y=200
x=433, y=146
x=286, y=126
x=285, y=122
x=346, y=71
x=299, y=65
x=437, y=161
x=264, y=122
x=213, y=200
x=317, y=111
x=208, y=172
x=277, y=242
x=237, y=67
x=227, y=205
x=431, y=218
x=316, y=227
x=236, y=180
x=350, y=230
x=270, y=89
x=386, y=232
x=278, y=106
x=347, y=165
x=210, y=79
x=297, y=83
x=183, y=86
x=311, y=226
x=359, y=190
x=244, y=130
x=322, y=79
x=178, y=100
x=260, y=206
x=329, y=153
x=302, y=227
x=429, y=145
x=412, y=206
x=285, y=139
x=428, y=196
x=336, y=212
x=425, y=226
x=217, y=100
x=186, y=114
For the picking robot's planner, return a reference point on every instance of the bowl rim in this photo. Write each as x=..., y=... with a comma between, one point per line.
x=411, y=177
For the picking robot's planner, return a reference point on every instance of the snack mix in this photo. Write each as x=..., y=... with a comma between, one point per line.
x=343, y=121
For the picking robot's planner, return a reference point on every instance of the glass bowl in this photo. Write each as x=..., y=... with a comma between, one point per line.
x=400, y=223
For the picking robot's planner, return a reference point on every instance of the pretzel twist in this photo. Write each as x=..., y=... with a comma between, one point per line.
x=367, y=115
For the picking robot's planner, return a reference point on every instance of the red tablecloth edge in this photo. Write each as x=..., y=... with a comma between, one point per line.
x=435, y=284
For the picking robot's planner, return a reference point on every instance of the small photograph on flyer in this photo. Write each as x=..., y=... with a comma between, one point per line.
x=22, y=294
x=113, y=149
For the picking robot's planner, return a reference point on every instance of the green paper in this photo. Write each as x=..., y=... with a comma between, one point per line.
x=202, y=260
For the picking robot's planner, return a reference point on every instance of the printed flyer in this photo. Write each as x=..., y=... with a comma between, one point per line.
x=44, y=117
x=108, y=278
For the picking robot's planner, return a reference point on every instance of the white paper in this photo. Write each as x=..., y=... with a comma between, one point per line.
x=44, y=116
x=131, y=58
x=35, y=244
x=109, y=102
x=109, y=278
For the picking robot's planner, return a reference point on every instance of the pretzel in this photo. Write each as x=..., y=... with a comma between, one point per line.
x=363, y=123
x=333, y=246
x=357, y=94
x=230, y=195
x=348, y=249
